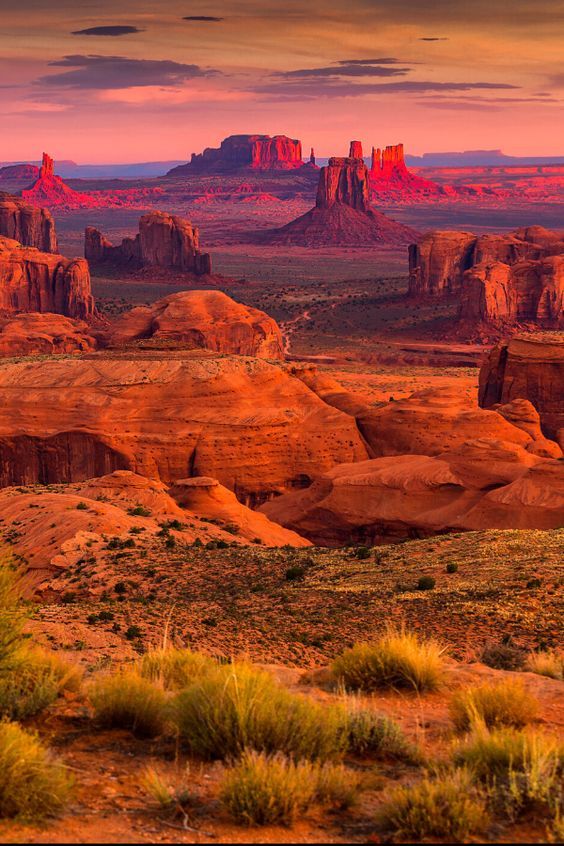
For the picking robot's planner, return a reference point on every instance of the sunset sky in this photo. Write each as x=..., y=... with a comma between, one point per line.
x=139, y=80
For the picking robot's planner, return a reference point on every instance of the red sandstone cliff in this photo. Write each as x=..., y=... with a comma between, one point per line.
x=257, y=152
x=34, y=281
x=164, y=240
x=390, y=178
x=23, y=222
x=50, y=190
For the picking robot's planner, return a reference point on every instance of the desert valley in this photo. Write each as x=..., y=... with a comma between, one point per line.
x=282, y=493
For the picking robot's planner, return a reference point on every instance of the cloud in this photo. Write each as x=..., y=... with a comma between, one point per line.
x=433, y=38
x=352, y=69
x=385, y=61
x=310, y=89
x=113, y=72
x=206, y=18
x=112, y=31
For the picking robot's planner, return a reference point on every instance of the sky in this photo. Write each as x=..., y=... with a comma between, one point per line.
x=138, y=80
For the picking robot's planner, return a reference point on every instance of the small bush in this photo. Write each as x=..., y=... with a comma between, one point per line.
x=128, y=701
x=168, y=798
x=503, y=656
x=82, y=506
x=295, y=573
x=33, y=784
x=174, y=669
x=522, y=769
x=550, y=664
x=452, y=567
x=336, y=786
x=505, y=703
x=32, y=681
x=426, y=583
x=362, y=552
x=396, y=660
x=133, y=632
x=448, y=807
x=368, y=733
x=236, y=706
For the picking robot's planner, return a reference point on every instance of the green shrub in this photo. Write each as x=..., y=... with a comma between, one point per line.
x=396, y=660
x=449, y=807
x=336, y=786
x=295, y=573
x=505, y=703
x=12, y=613
x=128, y=701
x=362, y=552
x=169, y=798
x=32, y=681
x=33, y=784
x=369, y=733
x=503, y=656
x=452, y=567
x=236, y=706
x=426, y=583
x=175, y=668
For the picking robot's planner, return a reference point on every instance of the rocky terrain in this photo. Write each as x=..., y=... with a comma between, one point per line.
x=237, y=152
x=35, y=333
x=28, y=224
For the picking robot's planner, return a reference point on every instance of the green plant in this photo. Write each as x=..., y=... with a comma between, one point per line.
x=133, y=632
x=32, y=680
x=362, y=552
x=236, y=706
x=175, y=668
x=295, y=573
x=550, y=664
x=82, y=506
x=336, y=785
x=128, y=701
x=33, y=784
x=452, y=567
x=446, y=807
x=395, y=660
x=426, y=583
x=369, y=733
x=505, y=703
x=172, y=799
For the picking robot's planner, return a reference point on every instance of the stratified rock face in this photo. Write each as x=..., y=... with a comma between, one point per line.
x=50, y=190
x=528, y=367
x=44, y=334
x=34, y=281
x=342, y=215
x=28, y=224
x=438, y=261
x=164, y=240
x=257, y=152
x=20, y=171
x=355, y=150
x=390, y=178
x=243, y=421
x=485, y=484
x=200, y=320
x=388, y=163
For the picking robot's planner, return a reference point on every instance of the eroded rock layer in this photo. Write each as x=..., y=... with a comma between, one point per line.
x=26, y=223
x=256, y=152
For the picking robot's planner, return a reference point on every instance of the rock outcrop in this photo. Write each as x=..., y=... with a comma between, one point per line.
x=164, y=240
x=485, y=484
x=391, y=180
x=50, y=190
x=31, y=280
x=44, y=334
x=528, y=367
x=253, y=152
x=342, y=215
x=28, y=224
x=20, y=171
x=199, y=320
x=244, y=421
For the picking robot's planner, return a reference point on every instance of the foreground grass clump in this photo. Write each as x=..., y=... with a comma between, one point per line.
x=369, y=733
x=269, y=790
x=522, y=769
x=175, y=668
x=33, y=784
x=32, y=680
x=128, y=701
x=237, y=706
x=550, y=664
x=447, y=807
x=396, y=660
x=505, y=703
x=172, y=799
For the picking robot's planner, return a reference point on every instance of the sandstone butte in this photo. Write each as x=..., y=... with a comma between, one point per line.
x=44, y=334
x=34, y=281
x=199, y=319
x=54, y=533
x=251, y=152
x=19, y=171
x=164, y=240
x=342, y=215
x=50, y=190
x=528, y=366
x=28, y=224
x=244, y=421
x=391, y=179
x=483, y=484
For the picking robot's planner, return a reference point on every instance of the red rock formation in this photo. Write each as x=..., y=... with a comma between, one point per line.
x=312, y=156
x=391, y=180
x=43, y=334
x=528, y=367
x=355, y=150
x=342, y=215
x=244, y=421
x=50, y=190
x=438, y=261
x=31, y=226
x=257, y=152
x=388, y=163
x=34, y=281
x=17, y=172
x=485, y=484
x=199, y=320
x=164, y=240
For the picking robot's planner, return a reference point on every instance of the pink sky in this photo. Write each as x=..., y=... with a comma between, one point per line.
x=446, y=75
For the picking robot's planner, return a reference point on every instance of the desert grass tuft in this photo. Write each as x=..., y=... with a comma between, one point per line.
x=371, y=734
x=33, y=783
x=550, y=664
x=449, y=807
x=128, y=701
x=169, y=798
x=398, y=659
x=32, y=680
x=175, y=668
x=237, y=706
x=505, y=703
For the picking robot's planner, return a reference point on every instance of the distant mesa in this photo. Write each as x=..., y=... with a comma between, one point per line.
x=250, y=152
x=18, y=171
x=390, y=178
x=500, y=280
x=31, y=281
x=342, y=215
x=164, y=240
x=198, y=320
x=27, y=224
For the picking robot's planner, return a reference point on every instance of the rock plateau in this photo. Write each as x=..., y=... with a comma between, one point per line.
x=250, y=152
